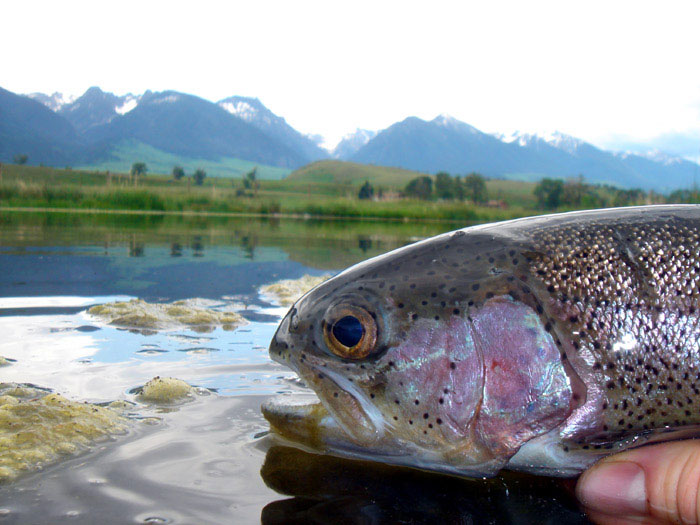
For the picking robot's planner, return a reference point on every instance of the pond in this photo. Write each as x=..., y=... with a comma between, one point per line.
x=210, y=460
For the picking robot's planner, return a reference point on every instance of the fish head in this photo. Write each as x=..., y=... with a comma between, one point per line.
x=409, y=365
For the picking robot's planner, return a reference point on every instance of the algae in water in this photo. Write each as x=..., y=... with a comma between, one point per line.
x=165, y=390
x=37, y=428
x=287, y=291
x=156, y=316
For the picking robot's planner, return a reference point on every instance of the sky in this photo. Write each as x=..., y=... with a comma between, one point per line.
x=614, y=73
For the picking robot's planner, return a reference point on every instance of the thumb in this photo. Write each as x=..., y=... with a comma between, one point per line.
x=652, y=484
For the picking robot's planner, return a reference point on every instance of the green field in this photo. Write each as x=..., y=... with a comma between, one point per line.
x=162, y=162
x=42, y=187
x=322, y=189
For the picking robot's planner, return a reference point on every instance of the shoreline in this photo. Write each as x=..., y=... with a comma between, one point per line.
x=190, y=213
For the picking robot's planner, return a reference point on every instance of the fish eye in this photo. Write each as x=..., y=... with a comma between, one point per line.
x=350, y=333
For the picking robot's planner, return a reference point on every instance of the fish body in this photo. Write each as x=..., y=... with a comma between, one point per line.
x=539, y=344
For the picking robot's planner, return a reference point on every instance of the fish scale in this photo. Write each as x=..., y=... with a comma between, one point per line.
x=628, y=295
x=538, y=344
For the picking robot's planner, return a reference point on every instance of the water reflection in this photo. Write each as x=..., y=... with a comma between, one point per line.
x=325, y=489
x=136, y=249
x=364, y=243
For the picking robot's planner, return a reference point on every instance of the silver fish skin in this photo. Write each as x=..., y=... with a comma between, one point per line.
x=538, y=344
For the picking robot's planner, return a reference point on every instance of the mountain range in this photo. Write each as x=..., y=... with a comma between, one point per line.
x=97, y=127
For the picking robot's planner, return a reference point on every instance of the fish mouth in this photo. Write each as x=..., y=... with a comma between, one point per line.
x=300, y=421
x=339, y=417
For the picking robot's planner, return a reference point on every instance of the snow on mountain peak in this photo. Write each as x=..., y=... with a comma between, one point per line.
x=555, y=139
x=448, y=121
x=654, y=155
x=445, y=119
x=351, y=142
x=562, y=141
x=129, y=102
x=360, y=135
x=55, y=101
x=167, y=99
x=522, y=139
x=241, y=109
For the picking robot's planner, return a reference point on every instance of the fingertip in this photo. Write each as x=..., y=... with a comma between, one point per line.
x=616, y=488
x=665, y=475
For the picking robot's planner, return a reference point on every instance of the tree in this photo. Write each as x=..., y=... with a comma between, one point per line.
x=20, y=158
x=420, y=188
x=548, y=193
x=459, y=188
x=632, y=196
x=199, y=176
x=250, y=180
x=475, y=188
x=138, y=168
x=178, y=172
x=366, y=191
x=444, y=186
x=574, y=191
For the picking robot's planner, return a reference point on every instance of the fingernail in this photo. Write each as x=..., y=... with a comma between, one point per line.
x=615, y=488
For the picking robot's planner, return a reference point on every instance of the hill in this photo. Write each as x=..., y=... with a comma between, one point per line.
x=123, y=154
x=352, y=173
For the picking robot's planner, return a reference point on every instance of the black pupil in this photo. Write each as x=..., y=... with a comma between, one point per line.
x=348, y=331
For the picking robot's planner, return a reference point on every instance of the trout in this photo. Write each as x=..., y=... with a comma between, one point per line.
x=538, y=344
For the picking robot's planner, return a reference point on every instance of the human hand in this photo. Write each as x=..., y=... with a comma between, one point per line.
x=654, y=484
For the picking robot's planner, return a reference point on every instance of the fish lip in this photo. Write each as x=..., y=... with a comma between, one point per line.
x=366, y=426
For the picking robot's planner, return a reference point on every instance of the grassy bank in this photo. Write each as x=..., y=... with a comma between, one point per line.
x=323, y=189
x=40, y=187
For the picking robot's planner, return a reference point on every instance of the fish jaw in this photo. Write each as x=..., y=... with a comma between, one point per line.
x=308, y=424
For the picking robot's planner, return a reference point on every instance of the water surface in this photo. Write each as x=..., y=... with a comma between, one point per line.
x=208, y=461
